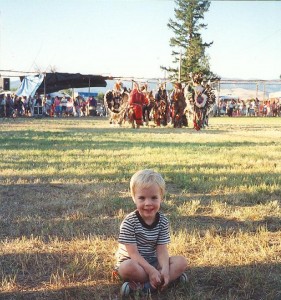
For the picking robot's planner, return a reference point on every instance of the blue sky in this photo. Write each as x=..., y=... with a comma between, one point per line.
x=131, y=37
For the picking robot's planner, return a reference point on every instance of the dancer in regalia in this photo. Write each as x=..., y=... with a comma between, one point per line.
x=136, y=102
x=178, y=105
x=161, y=106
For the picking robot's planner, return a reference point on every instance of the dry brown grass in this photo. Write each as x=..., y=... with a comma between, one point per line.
x=64, y=192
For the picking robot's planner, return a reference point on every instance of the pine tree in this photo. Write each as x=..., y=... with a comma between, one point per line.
x=188, y=43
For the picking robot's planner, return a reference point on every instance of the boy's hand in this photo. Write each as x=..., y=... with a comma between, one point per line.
x=155, y=278
x=165, y=278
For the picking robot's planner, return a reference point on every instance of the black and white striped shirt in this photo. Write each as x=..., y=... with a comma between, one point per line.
x=134, y=230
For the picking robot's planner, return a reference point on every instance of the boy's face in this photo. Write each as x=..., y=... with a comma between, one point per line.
x=148, y=202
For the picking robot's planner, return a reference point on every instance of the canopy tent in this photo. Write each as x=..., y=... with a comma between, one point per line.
x=54, y=82
x=242, y=94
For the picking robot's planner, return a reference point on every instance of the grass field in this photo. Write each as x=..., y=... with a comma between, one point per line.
x=64, y=189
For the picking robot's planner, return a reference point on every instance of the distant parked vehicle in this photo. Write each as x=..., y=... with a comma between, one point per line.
x=100, y=110
x=92, y=106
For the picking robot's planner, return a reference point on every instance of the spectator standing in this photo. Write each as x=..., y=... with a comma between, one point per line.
x=2, y=106
x=9, y=106
x=57, y=105
x=78, y=105
x=63, y=102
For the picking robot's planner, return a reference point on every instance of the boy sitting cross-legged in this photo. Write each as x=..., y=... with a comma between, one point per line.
x=143, y=261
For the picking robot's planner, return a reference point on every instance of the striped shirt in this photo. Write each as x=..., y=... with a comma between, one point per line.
x=134, y=230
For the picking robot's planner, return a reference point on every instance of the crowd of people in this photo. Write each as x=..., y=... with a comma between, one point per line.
x=12, y=105
x=163, y=107
x=251, y=108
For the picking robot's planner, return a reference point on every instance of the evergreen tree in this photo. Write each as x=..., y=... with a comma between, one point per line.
x=188, y=43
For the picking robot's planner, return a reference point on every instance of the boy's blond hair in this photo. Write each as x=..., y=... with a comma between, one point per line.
x=146, y=178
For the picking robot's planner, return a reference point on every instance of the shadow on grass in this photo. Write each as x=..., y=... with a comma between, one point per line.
x=255, y=282
x=76, y=211
x=222, y=226
x=262, y=184
x=105, y=139
x=63, y=211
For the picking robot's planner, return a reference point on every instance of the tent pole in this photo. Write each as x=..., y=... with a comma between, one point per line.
x=219, y=88
x=257, y=90
x=44, y=85
x=44, y=89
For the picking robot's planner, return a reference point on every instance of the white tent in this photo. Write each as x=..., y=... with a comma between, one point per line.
x=6, y=93
x=59, y=94
x=275, y=95
x=243, y=94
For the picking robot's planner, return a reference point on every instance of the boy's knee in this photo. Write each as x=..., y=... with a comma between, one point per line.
x=131, y=271
x=129, y=267
x=180, y=262
x=183, y=262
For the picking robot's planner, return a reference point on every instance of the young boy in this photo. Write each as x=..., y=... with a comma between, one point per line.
x=142, y=257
